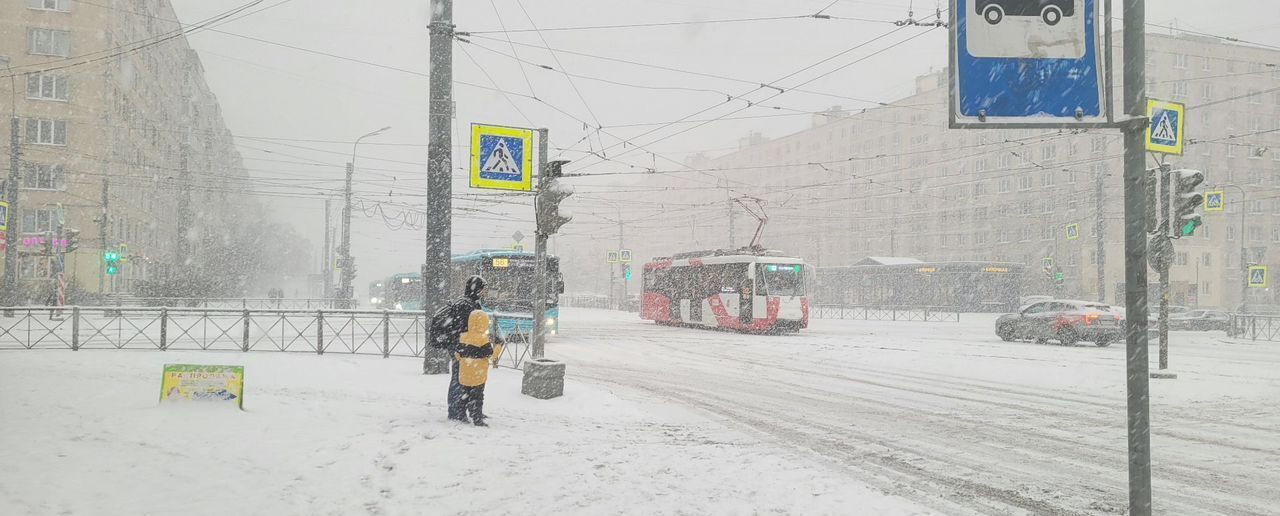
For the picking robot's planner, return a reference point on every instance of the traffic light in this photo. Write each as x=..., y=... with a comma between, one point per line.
x=112, y=259
x=626, y=272
x=1186, y=200
x=73, y=241
x=551, y=191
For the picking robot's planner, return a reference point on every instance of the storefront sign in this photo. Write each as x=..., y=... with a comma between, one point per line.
x=195, y=382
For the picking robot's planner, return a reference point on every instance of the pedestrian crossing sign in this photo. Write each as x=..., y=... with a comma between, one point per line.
x=1215, y=201
x=501, y=158
x=1166, y=122
x=1073, y=231
x=1258, y=276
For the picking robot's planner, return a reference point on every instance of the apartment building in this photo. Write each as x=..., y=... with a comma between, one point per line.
x=892, y=180
x=120, y=139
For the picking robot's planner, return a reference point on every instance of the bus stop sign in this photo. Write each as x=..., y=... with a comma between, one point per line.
x=1028, y=63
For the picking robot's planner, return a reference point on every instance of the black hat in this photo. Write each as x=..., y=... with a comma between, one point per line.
x=474, y=285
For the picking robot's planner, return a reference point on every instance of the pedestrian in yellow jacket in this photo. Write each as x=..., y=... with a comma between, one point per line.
x=475, y=348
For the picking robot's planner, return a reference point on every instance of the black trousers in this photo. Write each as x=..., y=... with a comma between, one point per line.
x=457, y=410
x=473, y=402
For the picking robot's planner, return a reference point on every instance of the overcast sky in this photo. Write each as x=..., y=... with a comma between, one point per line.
x=293, y=108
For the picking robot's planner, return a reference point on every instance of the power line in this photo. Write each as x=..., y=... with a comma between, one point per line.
x=637, y=25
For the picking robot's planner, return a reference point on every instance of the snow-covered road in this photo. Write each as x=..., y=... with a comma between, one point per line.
x=951, y=417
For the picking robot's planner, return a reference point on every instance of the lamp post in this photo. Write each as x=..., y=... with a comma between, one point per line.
x=348, y=272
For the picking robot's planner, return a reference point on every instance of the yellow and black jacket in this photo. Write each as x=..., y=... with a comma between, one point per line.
x=474, y=350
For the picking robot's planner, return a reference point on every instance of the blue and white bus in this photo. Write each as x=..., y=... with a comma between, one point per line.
x=509, y=286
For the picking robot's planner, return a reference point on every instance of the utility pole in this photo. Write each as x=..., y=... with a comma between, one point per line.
x=728, y=195
x=1135, y=261
x=1099, y=230
x=435, y=269
x=103, y=225
x=324, y=266
x=184, y=214
x=344, y=250
x=621, y=300
x=15, y=215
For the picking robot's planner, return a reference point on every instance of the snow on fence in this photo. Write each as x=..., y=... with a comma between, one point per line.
x=886, y=313
x=251, y=303
x=1255, y=327
x=368, y=332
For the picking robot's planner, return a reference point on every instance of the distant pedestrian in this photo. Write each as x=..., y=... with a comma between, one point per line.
x=447, y=327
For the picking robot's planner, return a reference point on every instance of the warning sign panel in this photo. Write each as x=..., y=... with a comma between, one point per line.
x=1165, y=126
x=501, y=158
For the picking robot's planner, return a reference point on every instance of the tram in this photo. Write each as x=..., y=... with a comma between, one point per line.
x=749, y=290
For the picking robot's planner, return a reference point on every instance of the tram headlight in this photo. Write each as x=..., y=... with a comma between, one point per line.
x=399, y=306
x=373, y=300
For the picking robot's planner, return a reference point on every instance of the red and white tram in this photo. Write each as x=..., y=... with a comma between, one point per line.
x=745, y=290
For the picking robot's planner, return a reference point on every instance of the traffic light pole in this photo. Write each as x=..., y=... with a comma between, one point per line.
x=1135, y=260
x=540, y=257
x=1166, y=179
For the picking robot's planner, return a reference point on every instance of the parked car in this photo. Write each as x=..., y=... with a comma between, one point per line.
x=1050, y=11
x=1065, y=321
x=1200, y=320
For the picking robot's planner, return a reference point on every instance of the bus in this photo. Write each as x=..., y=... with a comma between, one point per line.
x=377, y=294
x=749, y=290
x=509, y=287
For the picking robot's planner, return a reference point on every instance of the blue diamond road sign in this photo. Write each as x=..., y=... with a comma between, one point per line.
x=1028, y=63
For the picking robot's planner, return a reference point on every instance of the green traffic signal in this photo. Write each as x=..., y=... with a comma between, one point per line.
x=1189, y=225
x=626, y=273
x=113, y=270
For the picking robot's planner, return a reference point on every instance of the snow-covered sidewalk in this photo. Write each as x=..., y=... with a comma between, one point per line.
x=82, y=433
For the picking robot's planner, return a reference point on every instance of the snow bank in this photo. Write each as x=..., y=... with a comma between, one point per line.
x=82, y=433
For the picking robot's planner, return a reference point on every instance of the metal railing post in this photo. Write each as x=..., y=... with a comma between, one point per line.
x=386, y=334
x=244, y=345
x=164, y=329
x=75, y=328
x=319, y=332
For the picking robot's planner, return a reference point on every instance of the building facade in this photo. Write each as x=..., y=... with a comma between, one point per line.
x=120, y=140
x=893, y=180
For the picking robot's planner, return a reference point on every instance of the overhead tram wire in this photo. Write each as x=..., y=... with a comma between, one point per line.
x=782, y=91
x=642, y=25
x=559, y=64
x=498, y=14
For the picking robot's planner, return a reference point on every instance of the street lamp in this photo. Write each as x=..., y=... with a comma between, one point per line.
x=1244, y=261
x=348, y=272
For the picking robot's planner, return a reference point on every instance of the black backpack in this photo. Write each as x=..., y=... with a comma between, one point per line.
x=448, y=323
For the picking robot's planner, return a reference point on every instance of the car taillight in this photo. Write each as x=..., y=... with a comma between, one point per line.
x=1090, y=319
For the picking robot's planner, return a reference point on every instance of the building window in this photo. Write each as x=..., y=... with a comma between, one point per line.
x=1179, y=61
x=1006, y=185
x=1206, y=64
x=1206, y=90
x=47, y=132
x=1046, y=207
x=1099, y=144
x=1180, y=90
x=40, y=220
x=1072, y=177
x=1046, y=233
x=50, y=5
x=1255, y=234
x=1049, y=152
x=1231, y=150
x=43, y=177
x=979, y=188
x=1046, y=178
x=48, y=42
x=32, y=266
x=1275, y=207
x=1182, y=258
x=46, y=86
x=1275, y=234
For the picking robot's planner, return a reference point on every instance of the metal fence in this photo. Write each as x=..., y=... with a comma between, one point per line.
x=366, y=332
x=1255, y=327
x=886, y=313
x=586, y=301
x=251, y=303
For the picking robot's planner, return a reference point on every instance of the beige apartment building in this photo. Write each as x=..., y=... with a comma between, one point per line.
x=893, y=180
x=119, y=139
